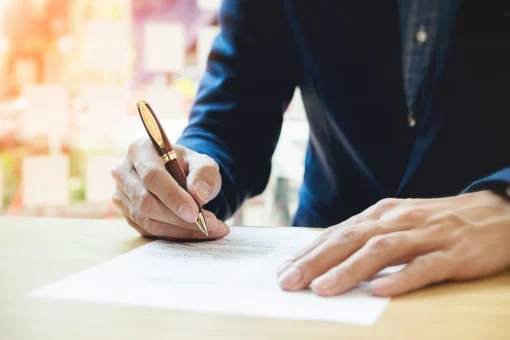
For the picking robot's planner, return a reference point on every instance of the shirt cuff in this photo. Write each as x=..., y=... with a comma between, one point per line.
x=498, y=182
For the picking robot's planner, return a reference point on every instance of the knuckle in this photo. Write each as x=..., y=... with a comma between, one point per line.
x=413, y=214
x=171, y=197
x=132, y=148
x=386, y=203
x=448, y=219
x=149, y=175
x=454, y=219
x=428, y=262
x=139, y=218
x=380, y=243
x=351, y=234
x=327, y=234
x=209, y=162
x=135, y=146
x=210, y=172
x=360, y=218
x=436, y=230
x=116, y=200
x=150, y=225
x=146, y=203
x=117, y=172
x=130, y=189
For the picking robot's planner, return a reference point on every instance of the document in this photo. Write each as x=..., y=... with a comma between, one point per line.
x=234, y=275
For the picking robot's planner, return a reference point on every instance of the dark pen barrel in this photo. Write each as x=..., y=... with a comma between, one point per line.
x=167, y=154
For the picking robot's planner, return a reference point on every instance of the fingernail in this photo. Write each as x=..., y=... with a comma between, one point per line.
x=187, y=213
x=283, y=266
x=323, y=284
x=203, y=190
x=290, y=277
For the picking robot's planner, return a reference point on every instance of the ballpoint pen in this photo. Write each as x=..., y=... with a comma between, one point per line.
x=167, y=153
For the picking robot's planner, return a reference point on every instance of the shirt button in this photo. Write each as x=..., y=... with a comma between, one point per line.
x=410, y=120
x=421, y=35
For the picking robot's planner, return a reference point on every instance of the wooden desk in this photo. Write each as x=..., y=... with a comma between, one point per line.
x=34, y=252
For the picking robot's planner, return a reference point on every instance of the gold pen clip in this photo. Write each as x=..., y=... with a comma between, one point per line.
x=150, y=123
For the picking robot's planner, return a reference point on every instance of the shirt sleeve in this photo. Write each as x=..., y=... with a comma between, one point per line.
x=498, y=182
x=237, y=114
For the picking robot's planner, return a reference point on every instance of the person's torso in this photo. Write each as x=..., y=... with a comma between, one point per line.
x=362, y=147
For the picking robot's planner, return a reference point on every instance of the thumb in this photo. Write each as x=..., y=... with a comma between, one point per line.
x=204, y=179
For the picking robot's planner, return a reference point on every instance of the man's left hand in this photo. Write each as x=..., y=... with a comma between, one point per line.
x=455, y=238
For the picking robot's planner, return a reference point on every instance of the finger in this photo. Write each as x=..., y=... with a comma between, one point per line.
x=377, y=254
x=217, y=229
x=204, y=180
x=159, y=182
x=338, y=245
x=422, y=271
x=130, y=184
x=323, y=237
x=117, y=200
x=136, y=227
x=390, y=214
x=369, y=215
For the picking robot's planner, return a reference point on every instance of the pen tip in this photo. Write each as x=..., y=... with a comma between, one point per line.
x=202, y=225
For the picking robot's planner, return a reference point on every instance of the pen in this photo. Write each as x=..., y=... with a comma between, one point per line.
x=166, y=152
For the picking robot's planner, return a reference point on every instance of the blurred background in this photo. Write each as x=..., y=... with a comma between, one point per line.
x=71, y=72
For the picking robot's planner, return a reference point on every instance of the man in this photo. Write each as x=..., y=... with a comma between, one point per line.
x=407, y=161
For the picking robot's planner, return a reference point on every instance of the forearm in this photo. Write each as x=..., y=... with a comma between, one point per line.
x=238, y=111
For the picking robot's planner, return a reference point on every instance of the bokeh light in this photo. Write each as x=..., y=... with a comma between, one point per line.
x=72, y=72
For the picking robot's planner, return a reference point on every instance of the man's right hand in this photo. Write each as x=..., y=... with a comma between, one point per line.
x=155, y=205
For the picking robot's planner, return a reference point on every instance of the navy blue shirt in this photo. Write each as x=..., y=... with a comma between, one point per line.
x=403, y=99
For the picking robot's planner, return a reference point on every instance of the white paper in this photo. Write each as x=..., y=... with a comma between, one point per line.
x=235, y=275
